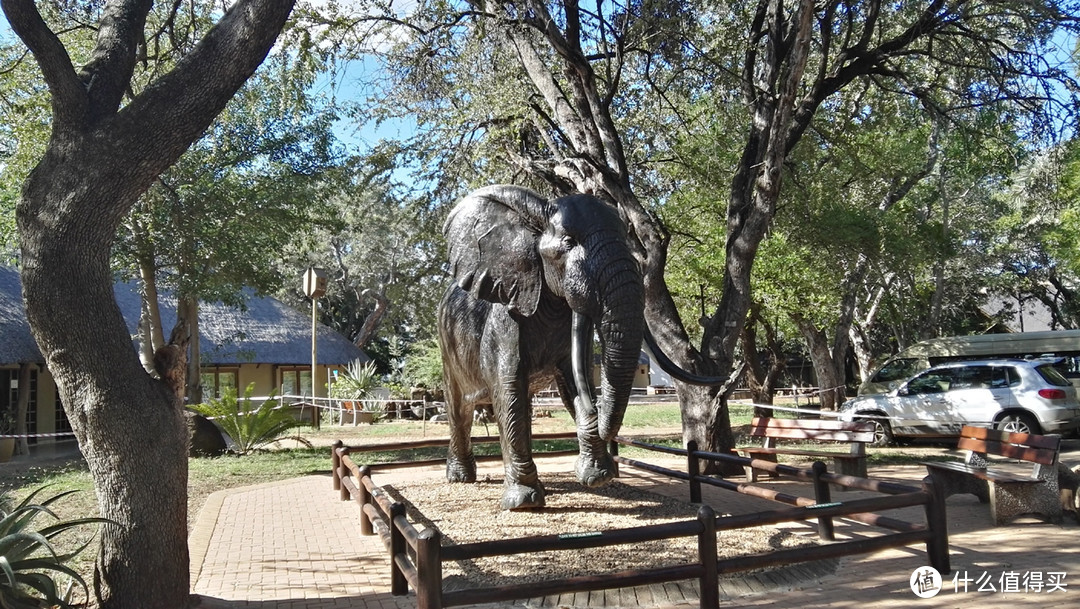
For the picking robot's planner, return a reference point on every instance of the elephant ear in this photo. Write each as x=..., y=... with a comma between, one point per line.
x=492, y=236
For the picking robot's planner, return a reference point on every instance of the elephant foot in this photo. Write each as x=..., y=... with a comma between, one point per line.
x=521, y=497
x=461, y=470
x=596, y=471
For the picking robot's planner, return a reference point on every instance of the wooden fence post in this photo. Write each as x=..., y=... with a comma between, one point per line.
x=937, y=547
x=693, y=469
x=429, y=569
x=710, y=585
x=399, y=586
x=343, y=473
x=365, y=499
x=335, y=463
x=823, y=495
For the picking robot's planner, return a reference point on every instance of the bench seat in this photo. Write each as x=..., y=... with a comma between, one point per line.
x=771, y=430
x=1009, y=494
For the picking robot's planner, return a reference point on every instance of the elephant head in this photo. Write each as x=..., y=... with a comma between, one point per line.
x=511, y=246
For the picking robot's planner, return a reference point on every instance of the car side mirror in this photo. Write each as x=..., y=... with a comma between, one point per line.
x=903, y=391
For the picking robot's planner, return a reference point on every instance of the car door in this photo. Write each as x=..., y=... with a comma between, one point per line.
x=921, y=404
x=976, y=395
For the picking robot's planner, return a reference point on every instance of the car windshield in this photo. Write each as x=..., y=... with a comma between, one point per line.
x=1052, y=375
x=896, y=370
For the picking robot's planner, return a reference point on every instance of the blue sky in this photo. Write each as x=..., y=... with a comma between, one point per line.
x=363, y=136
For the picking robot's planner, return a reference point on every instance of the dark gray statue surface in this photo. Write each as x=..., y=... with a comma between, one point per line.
x=532, y=280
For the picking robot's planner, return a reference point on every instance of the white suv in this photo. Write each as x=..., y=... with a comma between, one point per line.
x=1028, y=396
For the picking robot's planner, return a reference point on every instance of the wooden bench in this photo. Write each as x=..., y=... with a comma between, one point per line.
x=1010, y=494
x=851, y=463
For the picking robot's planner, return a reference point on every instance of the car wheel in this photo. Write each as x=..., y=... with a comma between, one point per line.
x=1018, y=422
x=882, y=432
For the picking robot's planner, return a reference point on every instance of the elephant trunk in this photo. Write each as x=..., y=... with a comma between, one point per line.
x=620, y=329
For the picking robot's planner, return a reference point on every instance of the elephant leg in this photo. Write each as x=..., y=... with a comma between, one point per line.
x=594, y=466
x=460, y=462
x=522, y=487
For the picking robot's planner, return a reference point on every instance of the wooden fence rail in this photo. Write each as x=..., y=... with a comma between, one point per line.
x=934, y=533
x=417, y=556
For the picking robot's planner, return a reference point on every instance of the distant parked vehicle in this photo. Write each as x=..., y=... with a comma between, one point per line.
x=1027, y=396
x=1064, y=344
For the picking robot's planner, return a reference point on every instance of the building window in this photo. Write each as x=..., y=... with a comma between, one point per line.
x=296, y=381
x=216, y=380
x=9, y=401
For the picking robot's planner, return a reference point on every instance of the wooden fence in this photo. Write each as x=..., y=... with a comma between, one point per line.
x=416, y=557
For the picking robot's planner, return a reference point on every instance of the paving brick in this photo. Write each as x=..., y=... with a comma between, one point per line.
x=294, y=545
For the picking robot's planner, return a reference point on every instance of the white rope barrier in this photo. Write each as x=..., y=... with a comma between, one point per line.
x=39, y=435
x=867, y=417
x=338, y=405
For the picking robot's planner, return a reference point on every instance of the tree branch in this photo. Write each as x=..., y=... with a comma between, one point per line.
x=108, y=73
x=176, y=108
x=69, y=99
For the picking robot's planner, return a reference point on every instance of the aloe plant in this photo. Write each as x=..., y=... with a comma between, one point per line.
x=29, y=561
x=250, y=425
x=356, y=381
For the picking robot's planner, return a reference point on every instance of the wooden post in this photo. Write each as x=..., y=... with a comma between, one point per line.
x=710, y=585
x=399, y=586
x=429, y=569
x=335, y=463
x=314, y=288
x=315, y=418
x=344, y=472
x=937, y=547
x=693, y=468
x=365, y=499
x=823, y=495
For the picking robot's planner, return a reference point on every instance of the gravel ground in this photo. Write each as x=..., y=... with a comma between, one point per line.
x=466, y=513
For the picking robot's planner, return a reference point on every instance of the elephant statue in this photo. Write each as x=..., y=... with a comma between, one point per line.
x=532, y=280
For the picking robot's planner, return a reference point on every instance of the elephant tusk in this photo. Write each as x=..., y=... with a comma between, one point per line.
x=580, y=356
x=677, y=372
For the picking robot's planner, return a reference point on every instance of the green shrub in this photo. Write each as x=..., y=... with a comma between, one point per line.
x=249, y=425
x=355, y=381
x=423, y=368
x=29, y=561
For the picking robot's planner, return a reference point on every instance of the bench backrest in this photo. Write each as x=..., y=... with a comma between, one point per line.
x=812, y=429
x=1023, y=446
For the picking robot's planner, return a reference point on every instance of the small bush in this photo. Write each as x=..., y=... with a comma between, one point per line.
x=250, y=426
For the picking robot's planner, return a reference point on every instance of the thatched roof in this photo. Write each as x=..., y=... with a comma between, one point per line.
x=17, y=345
x=266, y=332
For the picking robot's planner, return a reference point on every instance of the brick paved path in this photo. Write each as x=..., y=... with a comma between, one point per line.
x=294, y=545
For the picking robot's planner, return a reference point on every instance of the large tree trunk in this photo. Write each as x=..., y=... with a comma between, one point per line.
x=828, y=363
x=99, y=159
x=762, y=380
x=588, y=153
x=151, y=334
x=187, y=314
x=597, y=165
x=129, y=425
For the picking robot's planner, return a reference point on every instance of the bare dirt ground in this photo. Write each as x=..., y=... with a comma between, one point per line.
x=467, y=513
